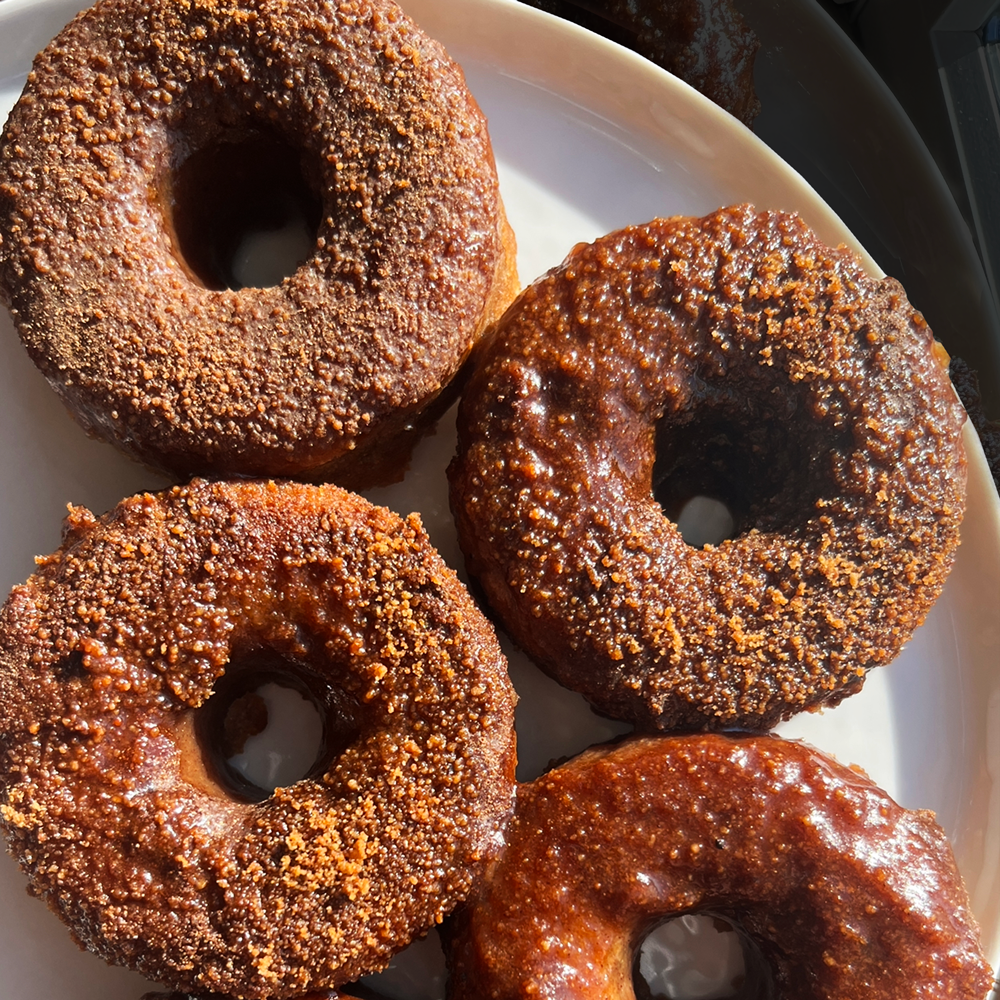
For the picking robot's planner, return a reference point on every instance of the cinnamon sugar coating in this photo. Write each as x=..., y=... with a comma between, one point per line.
x=315, y=995
x=112, y=804
x=733, y=356
x=328, y=374
x=843, y=893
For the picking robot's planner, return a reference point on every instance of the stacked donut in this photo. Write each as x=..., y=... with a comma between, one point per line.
x=737, y=358
x=835, y=890
x=733, y=356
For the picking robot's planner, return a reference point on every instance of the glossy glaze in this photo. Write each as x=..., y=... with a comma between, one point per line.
x=736, y=356
x=843, y=893
x=109, y=801
x=323, y=374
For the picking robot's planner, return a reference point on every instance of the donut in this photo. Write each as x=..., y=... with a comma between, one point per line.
x=154, y=137
x=732, y=357
x=314, y=995
x=113, y=798
x=836, y=890
x=704, y=42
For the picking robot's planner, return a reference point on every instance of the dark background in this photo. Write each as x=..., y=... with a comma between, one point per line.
x=898, y=184
x=895, y=37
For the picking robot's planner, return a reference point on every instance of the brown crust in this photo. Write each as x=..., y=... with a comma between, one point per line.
x=734, y=354
x=315, y=995
x=317, y=376
x=105, y=798
x=845, y=893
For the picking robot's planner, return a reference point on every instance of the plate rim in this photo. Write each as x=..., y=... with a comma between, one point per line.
x=605, y=53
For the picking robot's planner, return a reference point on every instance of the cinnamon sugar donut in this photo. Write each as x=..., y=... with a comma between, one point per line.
x=152, y=133
x=733, y=357
x=112, y=796
x=315, y=995
x=839, y=891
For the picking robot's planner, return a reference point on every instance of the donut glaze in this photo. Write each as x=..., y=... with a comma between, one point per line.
x=732, y=356
x=139, y=109
x=113, y=805
x=704, y=42
x=843, y=893
x=315, y=995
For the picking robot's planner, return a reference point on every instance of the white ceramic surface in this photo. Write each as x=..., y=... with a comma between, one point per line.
x=588, y=138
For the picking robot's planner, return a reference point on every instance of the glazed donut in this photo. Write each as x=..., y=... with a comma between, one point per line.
x=734, y=357
x=704, y=42
x=315, y=995
x=112, y=796
x=838, y=891
x=149, y=133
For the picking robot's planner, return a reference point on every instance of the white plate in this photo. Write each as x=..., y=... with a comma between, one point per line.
x=588, y=138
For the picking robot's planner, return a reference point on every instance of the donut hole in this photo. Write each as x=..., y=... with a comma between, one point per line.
x=722, y=476
x=270, y=723
x=705, y=521
x=273, y=736
x=699, y=957
x=242, y=211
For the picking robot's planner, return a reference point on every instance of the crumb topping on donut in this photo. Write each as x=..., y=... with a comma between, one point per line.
x=109, y=801
x=318, y=374
x=734, y=356
x=844, y=893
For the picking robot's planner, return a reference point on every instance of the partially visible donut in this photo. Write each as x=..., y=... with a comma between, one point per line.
x=735, y=357
x=315, y=995
x=111, y=800
x=706, y=43
x=126, y=169
x=842, y=893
